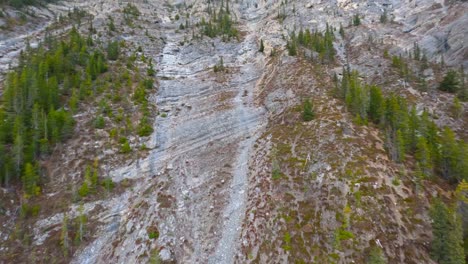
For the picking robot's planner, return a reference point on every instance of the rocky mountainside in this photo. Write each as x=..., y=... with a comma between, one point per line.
x=231, y=168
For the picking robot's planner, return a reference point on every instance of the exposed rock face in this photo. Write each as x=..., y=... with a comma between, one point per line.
x=206, y=183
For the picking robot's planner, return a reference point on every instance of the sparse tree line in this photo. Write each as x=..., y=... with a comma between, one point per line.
x=220, y=23
x=73, y=231
x=39, y=100
x=453, y=81
x=42, y=94
x=436, y=151
x=319, y=42
x=410, y=137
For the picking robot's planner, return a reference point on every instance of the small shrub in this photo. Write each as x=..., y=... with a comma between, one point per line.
x=308, y=111
x=153, y=232
x=108, y=184
x=220, y=66
x=144, y=128
x=356, y=20
x=345, y=235
x=99, y=122
x=148, y=83
x=125, y=147
x=29, y=210
x=276, y=174
x=84, y=189
x=287, y=242
x=113, y=50
x=262, y=47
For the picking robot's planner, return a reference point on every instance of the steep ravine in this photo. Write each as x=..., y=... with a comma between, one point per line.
x=202, y=144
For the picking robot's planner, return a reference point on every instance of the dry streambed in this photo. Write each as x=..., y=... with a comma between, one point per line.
x=192, y=187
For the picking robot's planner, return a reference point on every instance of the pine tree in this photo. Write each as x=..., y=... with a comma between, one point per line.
x=113, y=50
x=262, y=47
x=457, y=108
x=64, y=239
x=95, y=176
x=30, y=181
x=453, y=158
x=400, y=146
x=450, y=83
x=342, y=33
x=376, y=256
x=447, y=243
x=292, y=48
x=424, y=62
x=412, y=130
x=376, y=104
x=356, y=20
x=384, y=17
x=88, y=177
x=83, y=191
x=81, y=224
x=111, y=24
x=429, y=131
x=463, y=91
x=125, y=147
x=344, y=84
x=416, y=51
x=308, y=111
x=423, y=157
x=18, y=144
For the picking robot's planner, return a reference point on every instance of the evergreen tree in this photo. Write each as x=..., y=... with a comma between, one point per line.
x=376, y=104
x=384, y=17
x=125, y=147
x=30, y=181
x=292, y=48
x=18, y=144
x=400, y=146
x=412, y=130
x=113, y=50
x=95, y=176
x=344, y=84
x=450, y=83
x=423, y=157
x=308, y=111
x=376, y=256
x=457, y=108
x=64, y=239
x=111, y=24
x=356, y=20
x=262, y=47
x=416, y=52
x=83, y=191
x=82, y=219
x=447, y=243
x=453, y=157
x=463, y=91
x=342, y=33
x=429, y=131
x=357, y=97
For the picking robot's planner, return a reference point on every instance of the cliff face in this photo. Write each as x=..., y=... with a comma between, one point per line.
x=231, y=172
